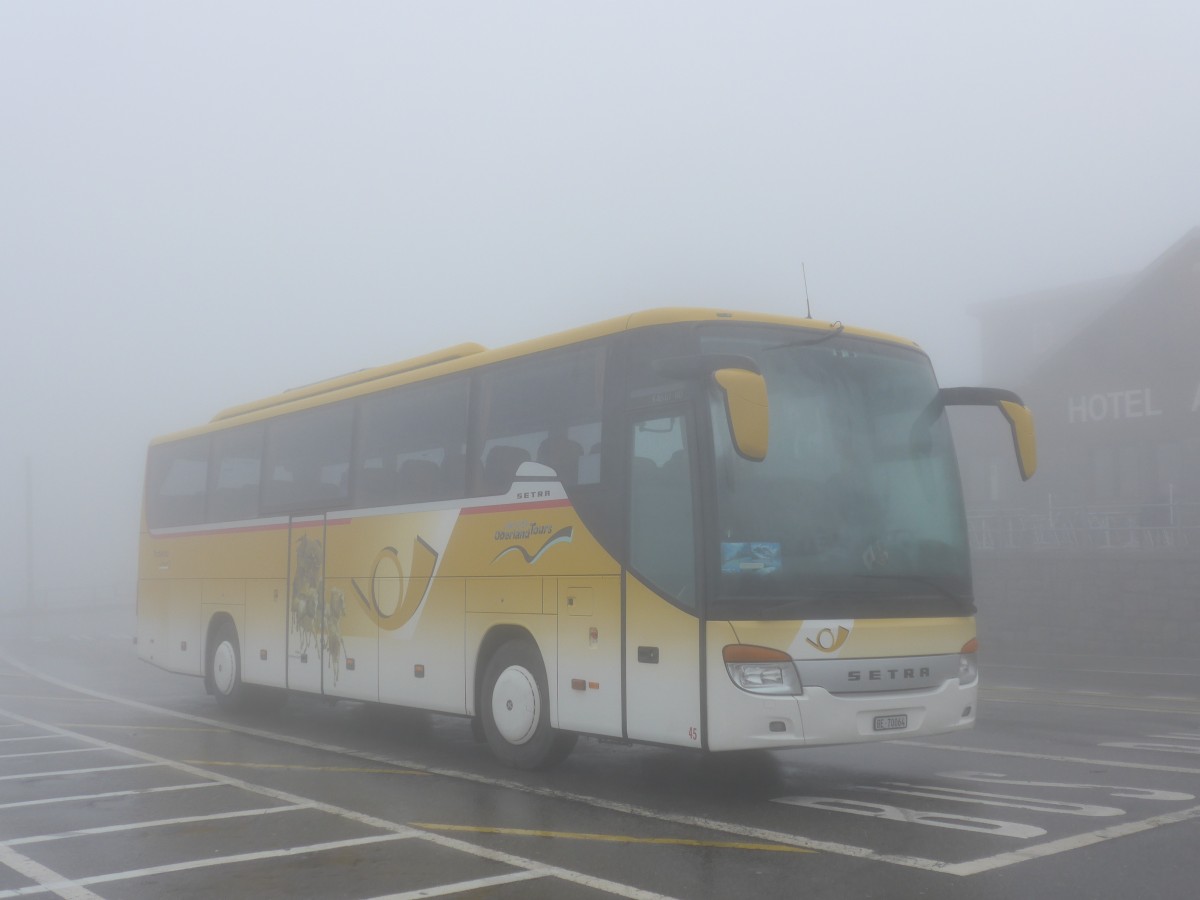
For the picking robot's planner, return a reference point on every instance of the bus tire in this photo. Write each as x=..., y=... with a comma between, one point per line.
x=515, y=711
x=477, y=730
x=225, y=669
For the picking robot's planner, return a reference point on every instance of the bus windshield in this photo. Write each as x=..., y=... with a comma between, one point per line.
x=856, y=510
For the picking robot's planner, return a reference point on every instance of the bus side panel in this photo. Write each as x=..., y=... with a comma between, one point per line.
x=349, y=630
x=400, y=593
x=421, y=664
x=662, y=669
x=589, y=653
x=250, y=581
x=264, y=652
x=152, y=612
x=185, y=629
x=170, y=633
x=516, y=555
x=351, y=644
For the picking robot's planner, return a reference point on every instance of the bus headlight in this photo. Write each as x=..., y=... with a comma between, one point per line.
x=761, y=670
x=968, y=665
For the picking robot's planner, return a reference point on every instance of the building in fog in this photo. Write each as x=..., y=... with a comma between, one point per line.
x=1111, y=370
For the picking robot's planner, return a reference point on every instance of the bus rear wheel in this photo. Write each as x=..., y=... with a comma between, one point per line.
x=515, y=712
x=225, y=669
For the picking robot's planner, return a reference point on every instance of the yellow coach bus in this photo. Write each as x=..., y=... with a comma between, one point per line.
x=686, y=527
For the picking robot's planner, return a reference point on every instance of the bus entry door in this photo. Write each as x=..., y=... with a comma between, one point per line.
x=306, y=602
x=663, y=670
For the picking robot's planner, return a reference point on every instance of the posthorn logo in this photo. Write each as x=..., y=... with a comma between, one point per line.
x=827, y=640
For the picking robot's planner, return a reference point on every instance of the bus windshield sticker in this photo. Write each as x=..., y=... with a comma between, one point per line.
x=759, y=557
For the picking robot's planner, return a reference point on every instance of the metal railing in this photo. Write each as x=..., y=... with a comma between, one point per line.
x=1117, y=528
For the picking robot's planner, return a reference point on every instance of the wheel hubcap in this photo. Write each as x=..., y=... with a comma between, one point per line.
x=516, y=706
x=224, y=673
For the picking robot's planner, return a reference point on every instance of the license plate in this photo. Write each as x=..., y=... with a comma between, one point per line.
x=891, y=723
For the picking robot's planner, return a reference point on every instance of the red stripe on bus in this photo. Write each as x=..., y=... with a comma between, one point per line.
x=466, y=511
x=514, y=507
x=244, y=529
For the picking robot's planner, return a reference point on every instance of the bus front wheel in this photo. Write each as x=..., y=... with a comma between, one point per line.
x=514, y=710
x=225, y=669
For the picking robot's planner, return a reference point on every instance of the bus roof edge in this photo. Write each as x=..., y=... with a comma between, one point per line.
x=362, y=376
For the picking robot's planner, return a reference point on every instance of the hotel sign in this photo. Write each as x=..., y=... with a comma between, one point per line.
x=1111, y=406
x=1134, y=404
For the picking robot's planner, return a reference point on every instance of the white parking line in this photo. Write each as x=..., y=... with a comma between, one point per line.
x=1048, y=757
x=460, y=887
x=958, y=795
x=154, y=823
x=394, y=829
x=152, y=761
x=34, y=737
x=1159, y=674
x=104, y=796
x=961, y=869
x=1051, y=848
x=30, y=776
x=993, y=827
x=1114, y=790
x=54, y=697
x=49, y=752
x=1157, y=748
x=207, y=862
x=1116, y=702
x=47, y=879
x=758, y=834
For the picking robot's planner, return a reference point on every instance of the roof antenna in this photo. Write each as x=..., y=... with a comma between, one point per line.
x=807, y=303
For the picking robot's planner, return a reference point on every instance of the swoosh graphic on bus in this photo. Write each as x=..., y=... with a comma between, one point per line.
x=562, y=536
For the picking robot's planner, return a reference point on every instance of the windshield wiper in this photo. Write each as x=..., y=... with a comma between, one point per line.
x=808, y=603
x=940, y=589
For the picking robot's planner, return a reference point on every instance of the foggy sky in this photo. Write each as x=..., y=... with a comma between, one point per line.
x=202, y=203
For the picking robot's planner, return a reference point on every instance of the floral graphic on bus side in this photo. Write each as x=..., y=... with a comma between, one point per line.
x=317, y=623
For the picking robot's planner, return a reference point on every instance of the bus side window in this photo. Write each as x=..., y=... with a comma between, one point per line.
x=177, y=483
x=235, y=475
x=308, y=458
x=500, y=467
x=411, y=444
x=546, y=408
x=562, y=454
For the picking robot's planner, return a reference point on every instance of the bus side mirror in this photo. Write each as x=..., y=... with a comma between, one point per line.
x=1020, y=419
x=745, y=394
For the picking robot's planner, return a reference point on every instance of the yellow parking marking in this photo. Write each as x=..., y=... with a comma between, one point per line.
x=252, y=765
x=612, y=838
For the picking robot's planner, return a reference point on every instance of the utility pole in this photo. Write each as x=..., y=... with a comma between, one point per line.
x=31, y=590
